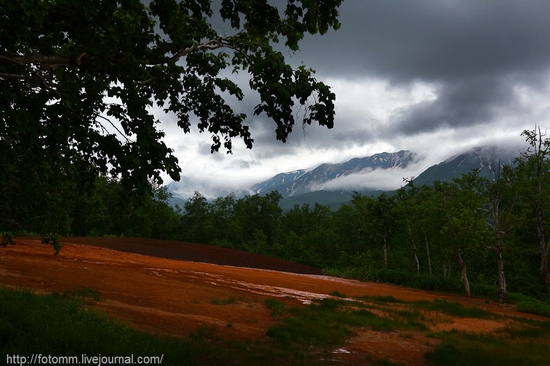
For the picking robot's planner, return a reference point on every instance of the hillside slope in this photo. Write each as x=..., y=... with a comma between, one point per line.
x=175, y=298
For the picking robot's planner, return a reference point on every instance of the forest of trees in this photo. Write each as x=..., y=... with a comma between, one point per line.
x=473, y=234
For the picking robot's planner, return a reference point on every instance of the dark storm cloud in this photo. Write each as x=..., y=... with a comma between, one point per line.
x=459, y=104
x=434, y=39
x=470, y=49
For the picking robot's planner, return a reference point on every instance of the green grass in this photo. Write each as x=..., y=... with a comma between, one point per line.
x=84, y=293
x=528, y=329
x=337, y=294
x=522, y=343
x=276, y=307
x=381, y=299
x=534, y=306
x=229, y=301
x=454, y=309
x=460, y=348
x=57, y=325
x=203, y=333
x=330, y=322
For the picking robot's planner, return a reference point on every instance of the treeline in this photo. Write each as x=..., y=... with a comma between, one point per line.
x=440, y=237
x=477, y=234
x=104, y=209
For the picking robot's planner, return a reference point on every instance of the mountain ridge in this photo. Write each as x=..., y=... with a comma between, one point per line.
x=306, y=180
x=485, y=158
x=317, y=184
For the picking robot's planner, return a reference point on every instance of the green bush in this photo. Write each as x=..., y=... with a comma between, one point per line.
x=533, y=306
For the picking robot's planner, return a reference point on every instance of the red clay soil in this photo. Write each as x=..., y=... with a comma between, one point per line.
x=173, y=288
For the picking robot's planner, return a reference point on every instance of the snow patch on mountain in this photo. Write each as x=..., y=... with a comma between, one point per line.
x=379, y=171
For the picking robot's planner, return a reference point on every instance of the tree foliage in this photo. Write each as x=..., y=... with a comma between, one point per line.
x=60, y=59
x=533, y=172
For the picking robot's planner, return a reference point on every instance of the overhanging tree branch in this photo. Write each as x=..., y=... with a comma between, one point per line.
x=14, y=76
x=210, y=45
x=61, y=59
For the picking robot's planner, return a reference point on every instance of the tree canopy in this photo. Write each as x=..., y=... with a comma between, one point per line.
x=80, y=79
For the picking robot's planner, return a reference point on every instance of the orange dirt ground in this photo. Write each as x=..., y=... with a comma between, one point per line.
x=174, y=292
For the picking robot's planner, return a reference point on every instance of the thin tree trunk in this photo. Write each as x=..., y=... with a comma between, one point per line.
x=428, y=253
x=501, y=278
x=464, y=275
x=413, y=246
x=446, y=270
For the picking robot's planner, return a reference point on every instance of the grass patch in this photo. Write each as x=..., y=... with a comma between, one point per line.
x=57, y=325
x=85, y=293
x=203, y=333
x=460, y=348
x=229, y=301
x=527, y=329
x=381, y=299
x=337, y=294
x=533, y=306
x=453, y=309
x=330, y=322
x=277, y=308
x=317, y=325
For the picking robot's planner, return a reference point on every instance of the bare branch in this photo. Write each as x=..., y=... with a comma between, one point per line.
x=210, y=45
x=213, y=44
x=45, y=61
x=14, y=76
x=115, y=127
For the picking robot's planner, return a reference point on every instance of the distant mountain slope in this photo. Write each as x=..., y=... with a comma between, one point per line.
x=304, y=181
x=485, y=158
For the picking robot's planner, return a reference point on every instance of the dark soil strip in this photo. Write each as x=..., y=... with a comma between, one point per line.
x=195, y=253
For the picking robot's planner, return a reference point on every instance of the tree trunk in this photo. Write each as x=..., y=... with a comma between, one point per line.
x=464, y=275
x=428, y=254
x=501, y=278
x=413, y=246
x=446, y=270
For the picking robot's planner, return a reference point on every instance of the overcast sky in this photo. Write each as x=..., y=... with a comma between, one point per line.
x=436, y=77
